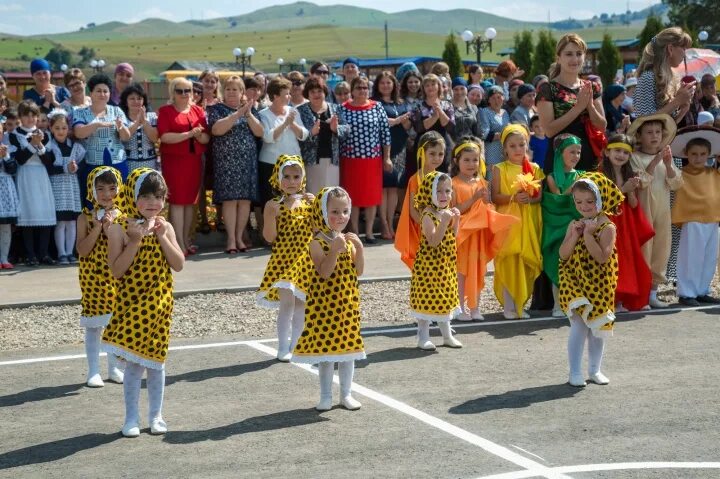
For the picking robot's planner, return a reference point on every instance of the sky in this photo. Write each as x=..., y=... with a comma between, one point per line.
x=32, y=17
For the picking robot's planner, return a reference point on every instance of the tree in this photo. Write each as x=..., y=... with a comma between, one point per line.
x=451, y=56
x=58, y=56
x=86, y=54
x=523, y=53
x=544, y=53
x=608, y=60
x=697, y=15
x=653, y=26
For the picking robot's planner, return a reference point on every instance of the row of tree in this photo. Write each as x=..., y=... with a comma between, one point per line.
x=60, y=55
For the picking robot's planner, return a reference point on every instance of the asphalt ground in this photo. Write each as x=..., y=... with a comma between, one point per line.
x=499, y=408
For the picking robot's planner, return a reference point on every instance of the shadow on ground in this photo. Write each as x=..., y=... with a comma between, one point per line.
x=519, y=398
x=55, y=450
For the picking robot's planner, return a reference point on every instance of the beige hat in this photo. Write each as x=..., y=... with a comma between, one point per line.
x=712, y=135
x=669, y=126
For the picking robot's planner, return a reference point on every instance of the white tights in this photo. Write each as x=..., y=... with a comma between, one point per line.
x=131, y=390
x=5, y=239
x=65, y=234
x=579, y=332
x=346, y=371
x=292, y=311
x=92, y=352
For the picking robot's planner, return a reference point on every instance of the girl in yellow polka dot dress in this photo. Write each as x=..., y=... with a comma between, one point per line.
x=434, y=287
x=97, y=284
x=588, y=274
x=141, y=253
x=287, y=227
x=332, y=312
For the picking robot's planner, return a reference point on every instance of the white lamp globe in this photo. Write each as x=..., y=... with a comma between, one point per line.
x=63, y=67
x=703, y=36
x=237, y=52
x=101, y=63
x=93, y=63
x=302, y=61
x=467, y=36
x=280, y=61
x=250, y=51
x=490, y=33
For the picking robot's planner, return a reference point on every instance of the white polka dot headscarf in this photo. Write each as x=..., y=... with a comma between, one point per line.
x=319, y=216
x=283, y=162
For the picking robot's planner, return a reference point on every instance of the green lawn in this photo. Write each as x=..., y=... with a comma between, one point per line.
x=12, y=48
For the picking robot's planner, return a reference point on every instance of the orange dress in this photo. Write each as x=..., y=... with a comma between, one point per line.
x=481, y=235
x=407, y=235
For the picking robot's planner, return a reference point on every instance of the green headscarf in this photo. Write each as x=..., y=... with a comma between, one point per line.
x=561, y=178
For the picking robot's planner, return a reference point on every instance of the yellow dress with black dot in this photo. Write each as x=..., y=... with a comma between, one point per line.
x=139, y=330
x=97, y=284
x=433, y=286
x=332, y=314
x=284, y=268
x=586, y=286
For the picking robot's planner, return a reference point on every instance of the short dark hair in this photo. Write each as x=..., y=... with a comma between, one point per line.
x=314, y=84
x=316, y=66
x=99, y=79
x=251, y=82
x=534, y=119
x=277, y=85
x=28, y=107
x=358, y=79
x=698, y=142
x=153, y=184
x=11, y=114
x=135, y=88
x=106, y=178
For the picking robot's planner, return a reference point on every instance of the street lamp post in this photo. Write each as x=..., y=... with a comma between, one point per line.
x=280, y=62
x=244, y=58
x=97, y=65
x=302, y=63
x=478, y=43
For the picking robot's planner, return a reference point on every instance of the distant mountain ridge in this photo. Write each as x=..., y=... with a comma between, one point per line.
x=308, y=15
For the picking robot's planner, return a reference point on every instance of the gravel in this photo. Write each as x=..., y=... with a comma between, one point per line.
x=225, y=314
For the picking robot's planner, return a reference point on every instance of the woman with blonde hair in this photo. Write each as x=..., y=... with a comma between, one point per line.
x=211, y=88
x=658, y=91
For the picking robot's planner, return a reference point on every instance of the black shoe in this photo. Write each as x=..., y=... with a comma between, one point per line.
x=688, y=301
x=48, y=261
x=707, y=299
x=31, y=262
x=370, y=240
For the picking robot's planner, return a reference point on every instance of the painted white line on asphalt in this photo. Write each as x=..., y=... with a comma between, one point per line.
x=620, y=466
x=534, y=468
x=527, y=452
x=172, y=348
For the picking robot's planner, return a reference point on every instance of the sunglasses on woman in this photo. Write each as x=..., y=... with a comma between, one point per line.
x=183, y=91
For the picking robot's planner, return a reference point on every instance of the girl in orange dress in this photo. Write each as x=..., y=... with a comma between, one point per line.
x=482, y=230
x=430, y=156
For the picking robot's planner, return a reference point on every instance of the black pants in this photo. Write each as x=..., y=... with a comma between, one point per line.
x=37, y=241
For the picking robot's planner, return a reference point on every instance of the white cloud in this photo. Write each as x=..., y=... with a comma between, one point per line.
x=11, y=7
x=153, y=12
x=11, y=28
x=527, y=11
x=210, y=14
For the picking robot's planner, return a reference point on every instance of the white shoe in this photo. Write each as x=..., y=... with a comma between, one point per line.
x=599, y=378
x=476, y=315
x=325, y=404
x=619, y=308
x=426, y=345
x=284, y=356
x=131, y=430
x=464, y=316
x=513, y=315
x=577, y=381
x=657, y=304
x=158, y=426
x=451, y=342
x=95, y=381
x=558, y=313
x=350, y=403
x=116, y=376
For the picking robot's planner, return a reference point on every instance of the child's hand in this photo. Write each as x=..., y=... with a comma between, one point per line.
x=338, y=244
x=631, y=184
x=667, y=156
x=3, y=151
x=273, y=207
x=36, y=139
x=308, y=196
x=455, y=212
x=446, y=215
x=135, y=231
x=353, y=238
x=161, y=226
x=590, y=227
x=522, y=198
x=575, y=229
x=72, y=166
x=482, y=194
x=106, y=221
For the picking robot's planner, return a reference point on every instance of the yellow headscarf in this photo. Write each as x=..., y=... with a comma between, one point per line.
x=473, y=146
x=319, y=212
x=427, y=192
x=132, y=189
x=282, y=162
x=513, y=128
x=91, y=196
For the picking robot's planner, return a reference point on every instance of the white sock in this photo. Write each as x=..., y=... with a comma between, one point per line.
x=509, y=306
x=92, y=350
x=445, y=329
x=60, y=238
x=283, y=327
x=5, y=240
x=596, y=346
x=156, y=392
x=346, y=371
x=423, y=330
x=576, y=344
x=325, y=372
x=70, y=237
x=131, y=391
x=298, y=323
x=653, y=294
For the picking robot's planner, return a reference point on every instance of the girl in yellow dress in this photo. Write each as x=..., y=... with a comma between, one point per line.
x=588, y=274
x=97, y=284
x=141, y=253
x=516, y=191
x=433, y=286
x=332, y=312
x=482, y=230
x=287, y=226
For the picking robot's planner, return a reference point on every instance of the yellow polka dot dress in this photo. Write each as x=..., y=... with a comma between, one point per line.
x=97, y=284
x=293, y=236
x=139, y=330
x=332, y=315
x=433, y=287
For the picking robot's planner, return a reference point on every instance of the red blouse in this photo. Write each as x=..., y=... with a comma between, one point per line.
x=172, y=121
